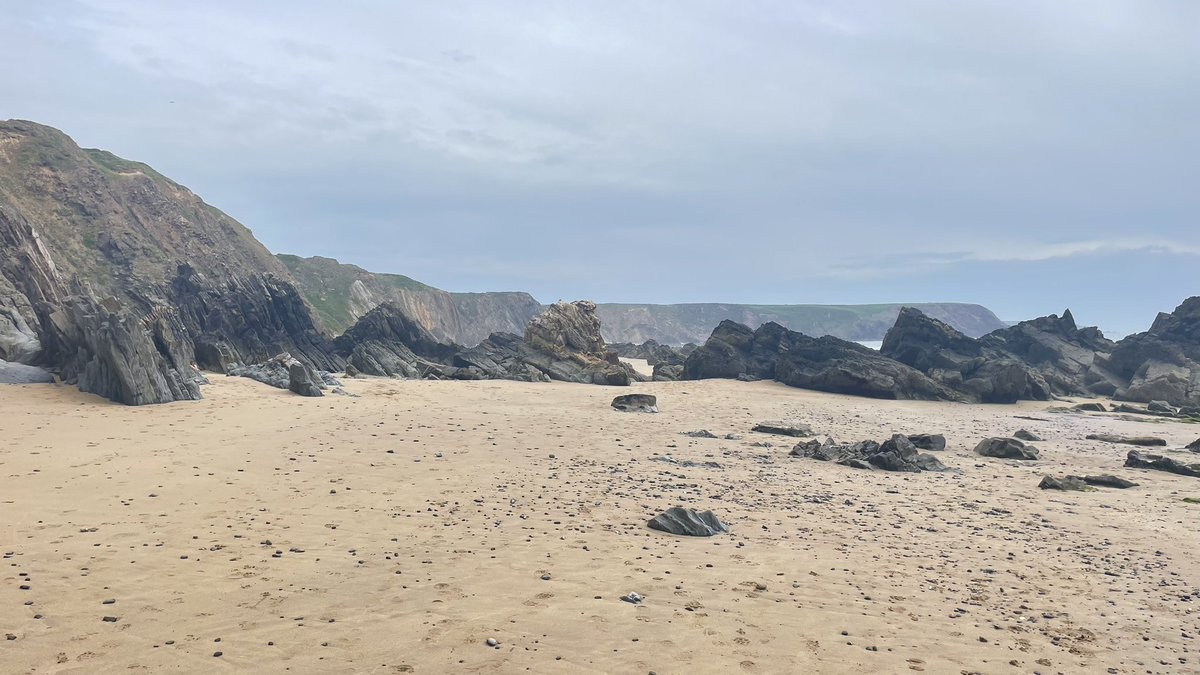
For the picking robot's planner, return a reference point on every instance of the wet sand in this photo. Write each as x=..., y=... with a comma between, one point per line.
x=398, y=531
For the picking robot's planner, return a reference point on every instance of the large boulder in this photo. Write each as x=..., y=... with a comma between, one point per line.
x=284, y=371
x=19, y=373
x=1006, y=448
x=688, y=522
x=824, y=364
x=645, y=403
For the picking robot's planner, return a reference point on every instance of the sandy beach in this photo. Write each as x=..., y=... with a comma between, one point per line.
x=397, y=531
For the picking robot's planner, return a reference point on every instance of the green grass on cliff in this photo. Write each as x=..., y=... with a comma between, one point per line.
x=326, y=284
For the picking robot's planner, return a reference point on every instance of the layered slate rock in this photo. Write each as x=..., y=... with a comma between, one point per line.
x=1163, y=363
x=1006, y=448
x=565, y=343
x=1146, y=441
x=386, y=342
x=283, y=371
x=1138, y=459
x=688, y=522
x=121, y=281
x=935, y=442
x=824, y=364
x=1023, y=435
x=1033, y=360
x=643, y=403
x=895, y=454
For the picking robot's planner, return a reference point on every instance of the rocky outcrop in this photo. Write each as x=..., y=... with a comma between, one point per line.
x=1163, y=363
x=386, y=342
x=283, y=371
x=19, y=373
x=1006, y=448
x=342, y=293
x=824, y=364
x=563, y=343
x=683, y=323
x=1033, y=360
x=688, y=522
x=120, y=280
x=653, y=352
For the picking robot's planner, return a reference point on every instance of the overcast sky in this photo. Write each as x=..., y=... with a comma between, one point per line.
x=1026, y=155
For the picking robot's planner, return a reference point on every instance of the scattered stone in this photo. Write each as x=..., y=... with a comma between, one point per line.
x=1145, y=460
x=1065, y=483
x=935, y=442
x=1089, y=407
x=632, y=598
x=110, y=619
x=668, y=459
x=1006, y=448
x=702, y=433
x=1146, y=441
x=644, y=403
x=783, y=429
x=896, y=454
x=687, y=522
x=492, y=642
x=1024, y=435
x=1107, y=480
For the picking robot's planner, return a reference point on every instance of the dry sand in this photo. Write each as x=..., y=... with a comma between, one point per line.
x=409, y=525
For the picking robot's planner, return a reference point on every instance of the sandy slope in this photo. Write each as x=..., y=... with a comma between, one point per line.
x=397, y=559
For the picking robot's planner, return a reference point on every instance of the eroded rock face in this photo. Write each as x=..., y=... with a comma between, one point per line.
x=120, y=280
x=283, y=371
x=386, y=342
x=565, y=343
x=823, y=364
x=688, y=522
x=1034, y=360
x=1006, y=448
x=1162, y=364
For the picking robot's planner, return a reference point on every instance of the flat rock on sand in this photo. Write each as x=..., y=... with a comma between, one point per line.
x=1147, y=441
x=783, y=429
x=688, y=522
x=1006, y=448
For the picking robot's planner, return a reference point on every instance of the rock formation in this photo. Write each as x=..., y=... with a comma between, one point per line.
x=1033, y=360
x=688, y=522
x=283, y=371
x=895, y=454
x=824, y=364
x=644, y=403
x=386, y=342
x=120, y=280
x=1145, y=441
x=341, y=294
x=1074, y=483
x=1163, y=363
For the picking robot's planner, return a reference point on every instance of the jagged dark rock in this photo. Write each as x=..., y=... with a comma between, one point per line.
x=1006, y=448
x=565, y=343
x=1089, y=407
x=1106, y=480
x=1163, y=363
x=1033, y=360
x=1023, y=435
x=1194, y=446
x=653, y=352
x=386, y=342
x=896, y=454
x=283, y=371
x=688, y=522
x=783, y=429
x=1147, y=441
x=1139, y=459
x=300, y=380
x=644, y=403
x=1065, y=483
x=935, y=442
x=667, y=373
x=824, y=364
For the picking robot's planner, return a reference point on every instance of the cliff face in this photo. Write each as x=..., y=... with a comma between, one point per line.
x=120, y=279
x=342, y=293
x=680, y=324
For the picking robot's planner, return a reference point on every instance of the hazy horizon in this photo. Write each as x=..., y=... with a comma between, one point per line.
x=1025, y=156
